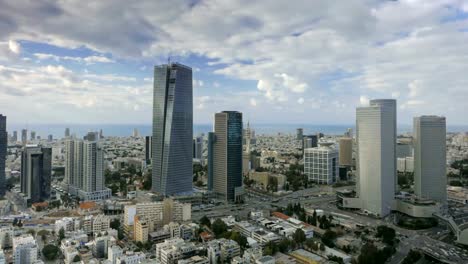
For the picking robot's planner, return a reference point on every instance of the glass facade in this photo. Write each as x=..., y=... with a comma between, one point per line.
x=36, y=168
x=172, y=129
x=3, y=153
x=234, y=153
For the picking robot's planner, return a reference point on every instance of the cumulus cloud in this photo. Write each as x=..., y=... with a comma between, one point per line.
x=341, y=53
x=14, y=46
x=253, y=102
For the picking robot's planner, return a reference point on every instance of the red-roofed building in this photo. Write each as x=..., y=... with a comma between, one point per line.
x=280, y=215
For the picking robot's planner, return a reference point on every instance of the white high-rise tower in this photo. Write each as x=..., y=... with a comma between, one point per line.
x=430, y=181
x=376, y=162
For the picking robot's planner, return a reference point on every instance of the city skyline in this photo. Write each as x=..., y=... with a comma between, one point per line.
x=320, y=62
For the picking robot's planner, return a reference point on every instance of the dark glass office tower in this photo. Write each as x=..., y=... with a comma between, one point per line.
x=36, y=168
x=226, y=157
x=172, y=129
x=148, y=151
x=3, y=153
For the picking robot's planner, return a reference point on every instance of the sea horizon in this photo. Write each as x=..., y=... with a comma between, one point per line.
x=123, y=130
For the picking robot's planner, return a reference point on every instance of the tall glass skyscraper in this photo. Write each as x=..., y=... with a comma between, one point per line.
x=36, y=169
x=226, y=157
x=3, y=153
x=172, y=129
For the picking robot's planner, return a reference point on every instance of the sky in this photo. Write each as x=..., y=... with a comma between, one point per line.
x=303, y=61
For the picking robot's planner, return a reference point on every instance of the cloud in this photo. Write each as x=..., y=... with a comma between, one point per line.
x=14, y=46
x=364, y=100
x=300, y=100
x=87, y=60
x=253, y=102
x=341, y=53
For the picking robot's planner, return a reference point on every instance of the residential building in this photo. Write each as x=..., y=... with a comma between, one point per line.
x=6, y=237
x=222, y=250
x=25, y=250
x=84, y=170
x=309, y=141
x=376, y=161
x=141, y=229
x=321, y=164
x=172, y=129
x=227, y=155
x=36, y=169
x=173, y=250
x=430, y=180
x=67, y=132
x=113, y=252
x=130, y=258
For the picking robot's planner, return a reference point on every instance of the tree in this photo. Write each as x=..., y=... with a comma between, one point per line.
x=328, y=238
x=314, y=218
x=219, y=227
x=387, y=234
x=322, y=247
x=335, y=259
x=115, y=224
x=15, y=222
x=205, y=221
x=61, y=234
x=284, y=245
x=299, y=236
x=77, y=258
x=32, y=232
x=412, y=257
x=50, y=252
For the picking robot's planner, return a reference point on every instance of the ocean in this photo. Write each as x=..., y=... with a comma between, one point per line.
x=123, y=130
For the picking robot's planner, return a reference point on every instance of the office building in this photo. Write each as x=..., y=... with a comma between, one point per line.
x=14, y=138
x=349, y=133
x=309, y=141
x=299, y=133
x=24, y=136
x=211, y=142
x=430, y=181
x=33, y=135
x=25, y=250
x=3, y=153
x=346, y=151
x=376, y=161
x=227, y=155
x=36, y=169
x=50, y=138
x=198, y=148
x=148, y=150
x=135, y=133
x=321, y=164
x=246, y=155
x=91, y=136
x=405, y=165
x=67, y=132
x=172, y=129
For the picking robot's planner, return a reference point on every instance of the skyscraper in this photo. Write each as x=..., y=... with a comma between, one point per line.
x=33, y=135
x=430, y=180
x=36, y=169
x=3, y=153
x=376, y=162
x=50, y=138
x=198, y=147
x=148, y=149
x=67, y=132
x=172, y=129
x=24, y=136
x=15, y=136
x=299, y=133
x=226, y=158
x=84, y=170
